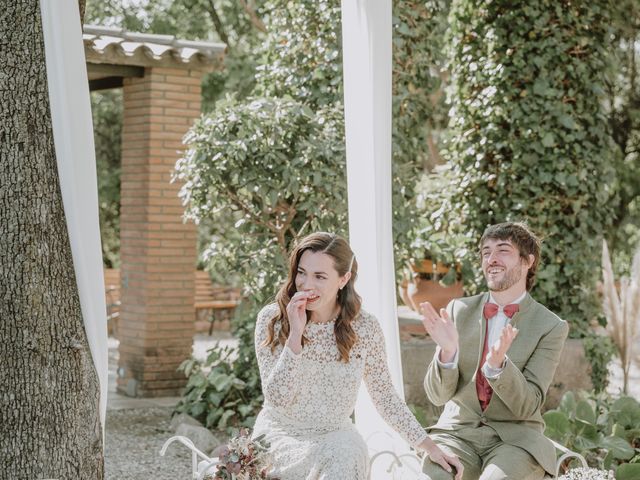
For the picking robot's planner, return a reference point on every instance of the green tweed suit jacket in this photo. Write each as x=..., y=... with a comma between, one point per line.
x=518, y=392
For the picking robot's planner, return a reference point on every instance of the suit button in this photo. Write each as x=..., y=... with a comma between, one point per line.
x=483, y=419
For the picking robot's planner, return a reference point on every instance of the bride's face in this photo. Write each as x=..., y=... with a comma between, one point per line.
x=317, y=275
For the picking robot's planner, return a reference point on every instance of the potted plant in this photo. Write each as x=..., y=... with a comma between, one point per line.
x=430, y=281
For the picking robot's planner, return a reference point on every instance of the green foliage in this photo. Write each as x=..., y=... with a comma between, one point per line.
x=301, y=56
x=106, y=109
x=277, y=165
x=605, y=430
x=599, y=350
x=623, y=110
x=215, y=394
x=529, y=138
x=419, y=111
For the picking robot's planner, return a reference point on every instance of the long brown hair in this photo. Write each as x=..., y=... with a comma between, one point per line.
x=348, y=300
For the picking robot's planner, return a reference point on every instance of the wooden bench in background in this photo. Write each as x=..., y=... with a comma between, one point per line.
x=214, y=304
x=217, y=302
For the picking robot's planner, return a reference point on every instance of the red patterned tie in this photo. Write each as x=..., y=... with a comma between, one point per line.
x=483, y=388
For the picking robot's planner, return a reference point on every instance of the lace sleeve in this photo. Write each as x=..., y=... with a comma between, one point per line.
x=380, y=387
x=280, y=369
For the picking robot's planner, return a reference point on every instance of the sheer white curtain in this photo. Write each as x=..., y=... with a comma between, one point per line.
x=73, y=136
x=366, y=37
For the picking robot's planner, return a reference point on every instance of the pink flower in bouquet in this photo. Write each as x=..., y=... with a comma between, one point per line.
x=242, y=458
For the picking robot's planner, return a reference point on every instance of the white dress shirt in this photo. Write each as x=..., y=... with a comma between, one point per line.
x=494, y=328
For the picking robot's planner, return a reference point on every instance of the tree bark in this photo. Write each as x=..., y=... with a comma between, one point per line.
x=49, y=413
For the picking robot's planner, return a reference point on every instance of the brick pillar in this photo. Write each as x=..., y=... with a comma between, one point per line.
x=158, y=251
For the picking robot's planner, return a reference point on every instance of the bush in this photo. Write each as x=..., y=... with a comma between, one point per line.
x=216, y=396
x=605, y=430
x=278, y=166
x=529, y=140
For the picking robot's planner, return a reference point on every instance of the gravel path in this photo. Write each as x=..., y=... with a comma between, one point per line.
x=133, y=442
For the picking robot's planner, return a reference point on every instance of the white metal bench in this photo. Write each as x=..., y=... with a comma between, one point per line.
x=406, y=466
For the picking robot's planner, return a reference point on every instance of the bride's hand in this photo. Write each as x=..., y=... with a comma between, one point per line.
x=296, y=313
x=446, y=461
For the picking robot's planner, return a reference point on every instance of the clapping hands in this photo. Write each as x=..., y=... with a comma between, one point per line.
x=497, y=352
x=441, y=329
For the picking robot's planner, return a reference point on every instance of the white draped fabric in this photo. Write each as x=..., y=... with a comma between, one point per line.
x=366, y=43
x=73, y=136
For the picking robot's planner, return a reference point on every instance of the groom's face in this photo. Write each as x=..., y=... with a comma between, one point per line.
x=502, y=265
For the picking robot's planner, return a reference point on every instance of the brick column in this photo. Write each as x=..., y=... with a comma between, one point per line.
x=158, y=251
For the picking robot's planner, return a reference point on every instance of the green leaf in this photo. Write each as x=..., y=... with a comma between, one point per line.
x=548, y=140
x=619, y=431
x=225, y=418
x=619, y=447
x=585, y=412
x=628, y=471
x=215, y=398
x=245, y=410
x=220, y=381
x=626, y=411
x=567, y=121
x=213, y=416
x=558, y=424
x=198, y=409
x=568, y=401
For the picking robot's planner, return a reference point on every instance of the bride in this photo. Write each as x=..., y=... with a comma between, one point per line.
x=314, y=347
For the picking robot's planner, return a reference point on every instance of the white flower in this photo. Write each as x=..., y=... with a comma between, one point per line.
x=587, y=474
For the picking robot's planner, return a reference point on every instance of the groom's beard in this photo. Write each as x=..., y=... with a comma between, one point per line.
x=510, y=278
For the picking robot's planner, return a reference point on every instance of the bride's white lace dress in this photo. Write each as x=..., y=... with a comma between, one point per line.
x=309, y=399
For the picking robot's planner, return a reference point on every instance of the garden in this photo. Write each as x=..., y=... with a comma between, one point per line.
x=500, y=113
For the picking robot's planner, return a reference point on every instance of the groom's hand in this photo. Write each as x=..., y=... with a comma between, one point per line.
x=442, y=331
x=498, y=351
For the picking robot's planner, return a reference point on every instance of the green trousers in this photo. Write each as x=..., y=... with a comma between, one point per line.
x=484, y=456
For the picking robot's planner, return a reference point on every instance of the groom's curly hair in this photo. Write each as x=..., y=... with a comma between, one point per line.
x=527, y=243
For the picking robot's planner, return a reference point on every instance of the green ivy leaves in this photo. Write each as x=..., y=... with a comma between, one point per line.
x=529, y=140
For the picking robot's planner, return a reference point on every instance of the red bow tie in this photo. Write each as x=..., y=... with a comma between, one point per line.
x=490, y=309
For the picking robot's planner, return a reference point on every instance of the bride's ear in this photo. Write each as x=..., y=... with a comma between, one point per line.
x=345, y=279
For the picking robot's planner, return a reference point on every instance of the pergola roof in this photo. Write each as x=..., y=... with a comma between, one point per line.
x=114, y=53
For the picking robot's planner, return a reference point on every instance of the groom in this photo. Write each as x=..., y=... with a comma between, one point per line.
x=496, y=356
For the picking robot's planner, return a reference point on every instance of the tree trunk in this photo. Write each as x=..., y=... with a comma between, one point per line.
x=49, y=415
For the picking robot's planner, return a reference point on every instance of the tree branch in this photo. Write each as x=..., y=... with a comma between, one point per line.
x=217, y=23
x=434, y=153
x=253, y=16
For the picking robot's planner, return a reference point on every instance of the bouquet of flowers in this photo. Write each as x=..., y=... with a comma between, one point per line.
x=242, y=459
x=587, y=474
